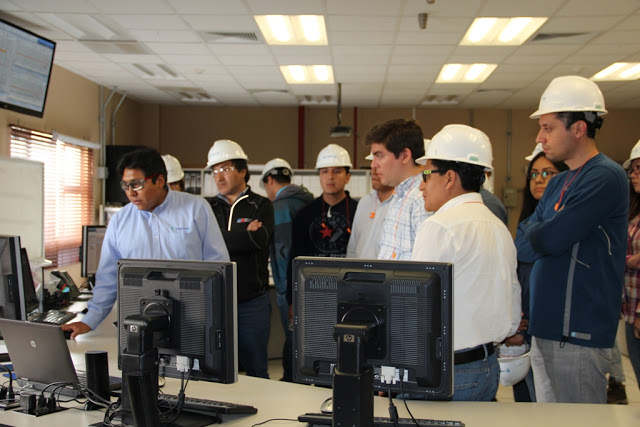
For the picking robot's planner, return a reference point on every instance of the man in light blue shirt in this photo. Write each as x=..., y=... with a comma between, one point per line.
x=157, y=224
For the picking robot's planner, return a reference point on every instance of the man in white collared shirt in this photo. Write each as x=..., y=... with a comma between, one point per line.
x=463, y=231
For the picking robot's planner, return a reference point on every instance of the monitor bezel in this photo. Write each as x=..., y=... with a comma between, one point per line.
x=84, y=251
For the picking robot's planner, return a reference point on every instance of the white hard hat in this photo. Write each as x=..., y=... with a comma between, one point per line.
x=513, y=368
x=460, y=143
x=174, y=169
x=223, y=150
x=537, y=150
x=333, y=155
x=272, y=166
x=570, y=93
x=635, y=154
x=369, y=157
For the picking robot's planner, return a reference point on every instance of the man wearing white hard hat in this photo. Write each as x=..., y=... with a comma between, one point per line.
x=463, y=231
x=323, y=227
x=369, y=217
x=175, y=174
x=579, y=235
x=395, y=145
x=287, y=199
x=246, y=220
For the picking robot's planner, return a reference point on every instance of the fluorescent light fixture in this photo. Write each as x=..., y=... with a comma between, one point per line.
x=63, y=25
x=307, y=74
x=501, y=31
x=99, y=28
x=293, y=29
x=152, y=71
x=619, y=71
x=465, y=73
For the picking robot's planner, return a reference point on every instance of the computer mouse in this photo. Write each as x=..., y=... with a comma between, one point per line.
x=327, y=406
x=67, y=334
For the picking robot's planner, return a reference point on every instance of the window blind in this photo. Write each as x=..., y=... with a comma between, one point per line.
x=68, y=190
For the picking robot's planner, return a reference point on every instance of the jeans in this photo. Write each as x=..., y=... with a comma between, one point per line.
x=253, y=335
x=476, y=380
x=576, y=374
x=287, y=356
x=616, y=364
x=633, y=346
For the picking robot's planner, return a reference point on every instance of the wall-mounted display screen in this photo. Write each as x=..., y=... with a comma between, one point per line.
x=26, y=60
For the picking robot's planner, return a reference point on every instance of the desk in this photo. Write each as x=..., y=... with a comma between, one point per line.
x=275, y=399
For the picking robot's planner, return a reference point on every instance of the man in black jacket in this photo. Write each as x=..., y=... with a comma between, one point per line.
x=246, y=220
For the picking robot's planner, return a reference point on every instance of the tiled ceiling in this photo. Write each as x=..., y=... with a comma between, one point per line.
x=376, y=47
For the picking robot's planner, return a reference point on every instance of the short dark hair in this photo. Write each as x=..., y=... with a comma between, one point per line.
x=241, y=165
x=279, y=175
x=591, y=118
x=471, y=176
x=147, y=159
x=396, y=135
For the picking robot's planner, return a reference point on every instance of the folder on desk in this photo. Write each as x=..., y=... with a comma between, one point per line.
x=40, y=356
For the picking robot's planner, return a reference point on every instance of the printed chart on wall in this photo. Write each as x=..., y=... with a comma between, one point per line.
x=22, y=201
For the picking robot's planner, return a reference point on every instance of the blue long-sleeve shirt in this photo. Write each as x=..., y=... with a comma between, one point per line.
x=181, y=228
x=579, y=253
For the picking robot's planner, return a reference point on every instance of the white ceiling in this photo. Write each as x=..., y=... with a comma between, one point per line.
x=376, y=48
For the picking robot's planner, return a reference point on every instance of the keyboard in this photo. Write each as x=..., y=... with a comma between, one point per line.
x=325, y=419
x=54, y=317
x=206, y=406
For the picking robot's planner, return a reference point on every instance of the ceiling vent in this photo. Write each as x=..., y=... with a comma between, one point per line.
x=543, y=37
x=441, y=100
x=317, y=100
x=227, y=37
x=118, y=48
x=190, y=95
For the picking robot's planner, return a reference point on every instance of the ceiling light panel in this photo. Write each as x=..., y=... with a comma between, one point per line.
x=488, y=31
x=293, y=29
x=307, y=74
x=465, y=73
x=619, y=71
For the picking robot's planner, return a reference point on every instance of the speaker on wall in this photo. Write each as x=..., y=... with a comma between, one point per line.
x=113, y=192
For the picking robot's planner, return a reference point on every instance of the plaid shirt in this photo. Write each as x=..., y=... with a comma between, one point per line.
x=631, y=296
x=404, y=217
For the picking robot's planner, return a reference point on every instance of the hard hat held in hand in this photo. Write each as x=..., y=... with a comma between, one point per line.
x=460, y=143
x=570, y=93
x=514, y=364
x=223, y=150
x=174, y=168
x=635, y=154
x=333, y=156
x=276, y=166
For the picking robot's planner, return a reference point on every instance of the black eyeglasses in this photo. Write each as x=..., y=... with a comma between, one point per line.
x=136, y=184
x=543, y=174
x=427, y=172
x=635, y=169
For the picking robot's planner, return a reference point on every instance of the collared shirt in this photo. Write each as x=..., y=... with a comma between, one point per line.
x=181, y=228
x=631, y=300
x=486, y=292
x=368, y=220
x=404, y=217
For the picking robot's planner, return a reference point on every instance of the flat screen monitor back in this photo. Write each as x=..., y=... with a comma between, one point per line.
x=411, y=302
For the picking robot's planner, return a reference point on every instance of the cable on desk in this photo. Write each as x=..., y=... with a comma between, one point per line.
x=404, y=397
x=274, y=419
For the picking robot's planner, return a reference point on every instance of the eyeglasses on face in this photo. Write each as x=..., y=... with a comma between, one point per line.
x=426, y=173
x=543, y=174
x=633, y=169
x=223, y=169
x=136, y=184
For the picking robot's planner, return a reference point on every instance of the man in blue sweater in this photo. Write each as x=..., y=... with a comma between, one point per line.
x=578, y=236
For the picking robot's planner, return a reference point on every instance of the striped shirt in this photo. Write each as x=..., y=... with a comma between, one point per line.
x=404, y=217
x=631, y=297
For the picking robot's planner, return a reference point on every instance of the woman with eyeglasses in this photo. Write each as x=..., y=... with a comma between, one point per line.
x=539, y=172
x=631, y=295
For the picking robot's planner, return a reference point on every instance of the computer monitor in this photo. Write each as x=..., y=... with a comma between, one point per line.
x=12, y=298
x=373, y=320
x=189, y=308
x=31, y=301
x=92, y=238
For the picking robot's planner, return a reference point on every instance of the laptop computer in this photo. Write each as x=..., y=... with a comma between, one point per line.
x=40, y=357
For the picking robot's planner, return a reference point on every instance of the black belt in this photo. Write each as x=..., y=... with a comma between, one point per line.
x=474, y=354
